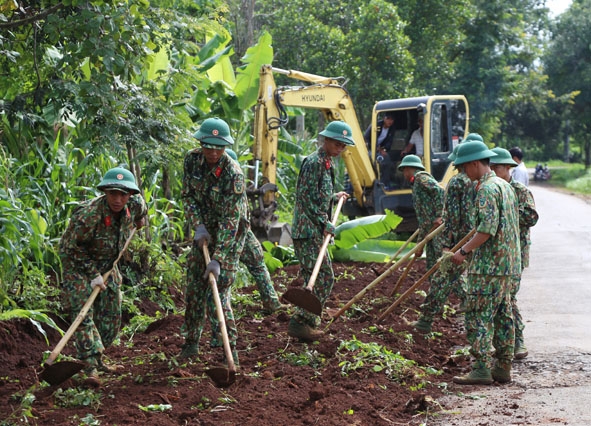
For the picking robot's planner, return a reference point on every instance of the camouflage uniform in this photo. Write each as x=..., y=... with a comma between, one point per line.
x=88, y=248
x=489, y=318
x=254, y=259
x=528, y=217
x=458, y=219
x=427, y=197
x=312, y=217
x=215, y=198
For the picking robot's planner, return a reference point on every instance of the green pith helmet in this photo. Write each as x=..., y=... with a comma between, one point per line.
x=232, y=154
x=454, y=154
x=503, y=157
x=340, y=131
x=120, y=179
x=411, y=160
x=473, y=137
x=214, y=131
x=472, y=151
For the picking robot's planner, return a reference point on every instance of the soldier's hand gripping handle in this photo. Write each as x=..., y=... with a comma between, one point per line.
x=201, y=236
x=214, y=267
x=98, y=281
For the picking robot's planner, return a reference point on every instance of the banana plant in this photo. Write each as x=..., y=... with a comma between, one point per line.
x=359, y=240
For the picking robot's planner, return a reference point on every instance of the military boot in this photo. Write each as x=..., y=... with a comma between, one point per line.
x=501, y=372
x=422, y=325
x=478, y=376
x=520, y=351
x=272, y=306
x=303, y=331
x=189, y=350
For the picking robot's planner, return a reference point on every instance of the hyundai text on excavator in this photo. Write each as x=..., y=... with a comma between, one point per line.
x=374, y=182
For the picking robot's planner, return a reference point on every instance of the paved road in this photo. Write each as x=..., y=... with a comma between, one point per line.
x=553, y=384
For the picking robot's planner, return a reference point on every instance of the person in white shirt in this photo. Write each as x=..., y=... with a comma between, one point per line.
x=519, y=173
x=416, y=141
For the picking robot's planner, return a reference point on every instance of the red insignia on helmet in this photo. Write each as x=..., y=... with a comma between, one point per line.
x=108, y=221
x=215, y=132
x=119, y=176
x=345, y=132
x=218, y=171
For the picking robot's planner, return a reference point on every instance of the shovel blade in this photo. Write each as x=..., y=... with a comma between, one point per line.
x=56, y=374
x=304, y=299
x=222, y=377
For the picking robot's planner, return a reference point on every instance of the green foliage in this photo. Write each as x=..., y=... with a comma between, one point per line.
x=358, y=240
x=362, y=41
x=370, y=251
x=356, y=355
x=306, y=357
x=350, y=233
x=78, y=397
x=247, y=84
x=36, y=318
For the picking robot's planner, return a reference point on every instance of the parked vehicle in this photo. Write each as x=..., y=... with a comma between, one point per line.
x=541, y=173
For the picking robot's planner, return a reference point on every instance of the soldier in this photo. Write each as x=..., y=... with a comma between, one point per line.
x=496, y=258
x=458, y=218
x=215, y=205
x=312, y=222
x=427, y=198
x=93, y=239
x=528, y=217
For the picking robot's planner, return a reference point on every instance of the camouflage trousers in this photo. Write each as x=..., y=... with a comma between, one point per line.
x=199, y=300
x=442, y=285
x=101, y=325
x=489, y=319
x=433, y=251
x=306, y=250
x=519, y=325
x=254, y=260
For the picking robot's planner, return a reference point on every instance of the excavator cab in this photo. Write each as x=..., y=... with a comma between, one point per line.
x=427, y=126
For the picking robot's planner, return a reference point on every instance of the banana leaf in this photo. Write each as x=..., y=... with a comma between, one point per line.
x=369, y=251
x=354, y=231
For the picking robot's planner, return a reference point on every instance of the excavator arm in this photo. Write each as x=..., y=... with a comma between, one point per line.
x=324, y=94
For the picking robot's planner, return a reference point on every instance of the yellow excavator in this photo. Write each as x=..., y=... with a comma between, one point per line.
x=373, y=181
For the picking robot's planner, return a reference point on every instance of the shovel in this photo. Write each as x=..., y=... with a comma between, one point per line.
x=54, y=374
x=221, y=376
x=303, y=297
x=424, y=277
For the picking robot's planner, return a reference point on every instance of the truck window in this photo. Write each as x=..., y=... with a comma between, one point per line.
x=440, y=139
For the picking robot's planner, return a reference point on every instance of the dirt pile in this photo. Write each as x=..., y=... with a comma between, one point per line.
x=352, y=376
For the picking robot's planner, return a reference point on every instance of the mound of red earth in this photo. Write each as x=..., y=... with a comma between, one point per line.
x=280, y=381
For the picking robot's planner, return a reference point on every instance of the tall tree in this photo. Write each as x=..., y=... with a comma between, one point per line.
x=359, y=40
x=568, y=64
x=496, y=48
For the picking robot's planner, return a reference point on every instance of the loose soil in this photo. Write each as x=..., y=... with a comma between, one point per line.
x=280, y=380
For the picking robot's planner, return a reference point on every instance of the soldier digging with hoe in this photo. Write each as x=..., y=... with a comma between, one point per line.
x=312, y=222
x=94, y=238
